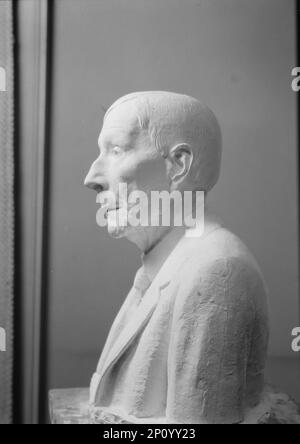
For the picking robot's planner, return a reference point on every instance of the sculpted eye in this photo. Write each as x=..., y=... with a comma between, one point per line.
x=117, y=150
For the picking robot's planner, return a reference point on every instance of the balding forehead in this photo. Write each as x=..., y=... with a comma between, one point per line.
x=166, y=115
x=124, y=111
x=153, y=97
x=137, y=97
x=121, y=122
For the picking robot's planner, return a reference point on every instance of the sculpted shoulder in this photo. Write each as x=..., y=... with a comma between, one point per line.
x=219, y=245
x=221, y=264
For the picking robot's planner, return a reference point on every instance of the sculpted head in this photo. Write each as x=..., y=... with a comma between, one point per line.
x=156, y=141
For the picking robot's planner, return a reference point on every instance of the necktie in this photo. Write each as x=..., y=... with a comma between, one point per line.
x=141, y=284
x=141, y=281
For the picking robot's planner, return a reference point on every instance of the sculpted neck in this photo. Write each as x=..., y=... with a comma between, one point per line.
x=147, y=238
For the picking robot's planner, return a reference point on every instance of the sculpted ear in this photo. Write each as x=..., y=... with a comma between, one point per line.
x=181, y=157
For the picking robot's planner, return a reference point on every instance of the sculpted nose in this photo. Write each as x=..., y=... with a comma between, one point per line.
x=95, y=180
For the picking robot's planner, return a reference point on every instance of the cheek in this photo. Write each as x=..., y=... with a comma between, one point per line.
x=151, y=175
x=142, y=174
x=117, y=173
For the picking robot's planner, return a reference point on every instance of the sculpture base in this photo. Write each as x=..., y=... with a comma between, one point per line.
x=71, y=406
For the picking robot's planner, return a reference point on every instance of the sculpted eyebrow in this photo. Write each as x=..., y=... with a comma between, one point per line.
x=119, y=137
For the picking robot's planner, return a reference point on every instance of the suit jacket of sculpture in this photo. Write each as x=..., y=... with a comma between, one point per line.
x=194, y=349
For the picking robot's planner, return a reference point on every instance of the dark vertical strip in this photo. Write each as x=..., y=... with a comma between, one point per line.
x=31, y=146
x=298, y=120
x=17, y=366
x=43, y=390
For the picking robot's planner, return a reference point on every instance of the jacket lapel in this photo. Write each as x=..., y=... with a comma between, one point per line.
x=134, y=326
x=115, y=330
x=146, y=307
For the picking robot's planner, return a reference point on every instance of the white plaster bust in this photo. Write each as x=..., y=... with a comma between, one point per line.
x=190, y=347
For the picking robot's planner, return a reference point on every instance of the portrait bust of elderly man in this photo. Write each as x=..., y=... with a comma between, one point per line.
x=190, y=340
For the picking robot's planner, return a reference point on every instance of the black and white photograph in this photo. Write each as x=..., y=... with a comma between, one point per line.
x=149, y=214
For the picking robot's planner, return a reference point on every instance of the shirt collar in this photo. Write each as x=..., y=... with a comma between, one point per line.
x=154, y=259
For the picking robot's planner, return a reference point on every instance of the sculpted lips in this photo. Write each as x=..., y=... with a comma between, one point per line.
x=112, y=209
x=107, y=206
x=109, y=210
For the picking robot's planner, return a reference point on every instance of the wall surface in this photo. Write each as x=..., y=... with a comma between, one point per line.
x=236, y=56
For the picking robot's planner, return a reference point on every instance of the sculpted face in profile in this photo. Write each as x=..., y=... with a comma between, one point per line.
x=190, y=340
x=142, y=146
